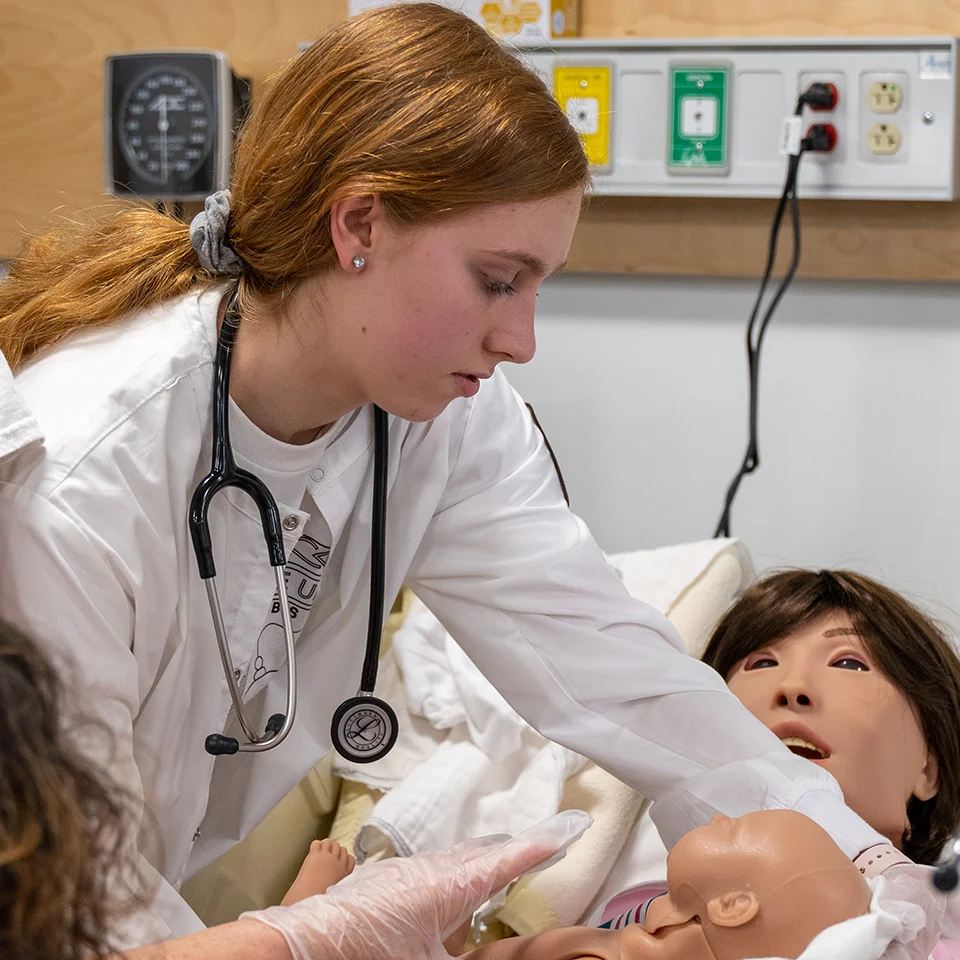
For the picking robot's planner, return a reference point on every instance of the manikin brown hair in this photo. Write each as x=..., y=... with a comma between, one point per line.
x=905, y=645
x=414, y=102
x=63, y=823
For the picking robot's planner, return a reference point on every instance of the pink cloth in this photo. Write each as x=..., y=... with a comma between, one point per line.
x=946, y=950
x=631, y=901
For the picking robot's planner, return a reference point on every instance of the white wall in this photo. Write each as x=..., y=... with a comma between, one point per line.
x=640, y=383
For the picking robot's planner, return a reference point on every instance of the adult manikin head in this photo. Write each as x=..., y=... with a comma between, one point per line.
x=861, y=682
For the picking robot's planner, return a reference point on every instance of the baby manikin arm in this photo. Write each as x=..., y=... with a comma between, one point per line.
x=405, y=907
x=683, y=942
x=568, y=943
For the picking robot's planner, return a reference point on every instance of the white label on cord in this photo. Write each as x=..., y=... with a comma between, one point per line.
x=790, y=134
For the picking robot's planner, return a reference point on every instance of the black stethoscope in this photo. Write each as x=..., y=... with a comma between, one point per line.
x=364, y=728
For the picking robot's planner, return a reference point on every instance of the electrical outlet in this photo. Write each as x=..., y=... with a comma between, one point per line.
x=884, y=96
x=884, y=93
x=884, y=139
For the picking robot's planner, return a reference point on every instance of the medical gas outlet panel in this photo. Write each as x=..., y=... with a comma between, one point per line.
x=707, y=117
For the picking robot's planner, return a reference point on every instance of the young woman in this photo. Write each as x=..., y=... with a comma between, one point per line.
x=397, y=197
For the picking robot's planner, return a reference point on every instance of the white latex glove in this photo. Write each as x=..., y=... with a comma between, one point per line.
x=902, y=889
x=401, y=909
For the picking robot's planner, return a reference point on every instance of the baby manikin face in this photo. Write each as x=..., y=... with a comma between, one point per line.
x=819, y=691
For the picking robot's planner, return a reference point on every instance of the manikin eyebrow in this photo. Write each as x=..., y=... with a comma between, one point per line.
x=842, y=632
x=534, y=264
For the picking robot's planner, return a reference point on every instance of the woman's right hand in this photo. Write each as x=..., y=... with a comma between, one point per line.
x=405, y=907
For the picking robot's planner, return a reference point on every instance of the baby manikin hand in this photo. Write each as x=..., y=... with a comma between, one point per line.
x=406, y=907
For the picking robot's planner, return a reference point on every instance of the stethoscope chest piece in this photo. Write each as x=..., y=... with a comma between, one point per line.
x=364, y=729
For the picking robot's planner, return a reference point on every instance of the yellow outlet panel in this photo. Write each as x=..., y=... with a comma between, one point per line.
x=583, y=93
x=884, y=96
x=884, y=139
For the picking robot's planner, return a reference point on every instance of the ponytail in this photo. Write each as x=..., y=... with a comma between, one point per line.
x=414, y=102
x=76, y=279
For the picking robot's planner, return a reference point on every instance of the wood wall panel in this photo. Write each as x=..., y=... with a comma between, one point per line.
x=769, y=18
x=51, y=131
x=51, y=82
x=721, y=237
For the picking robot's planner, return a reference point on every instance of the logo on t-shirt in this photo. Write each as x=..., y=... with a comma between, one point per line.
x=302, y=576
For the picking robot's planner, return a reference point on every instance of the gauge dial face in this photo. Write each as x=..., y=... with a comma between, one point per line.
x=167, y=125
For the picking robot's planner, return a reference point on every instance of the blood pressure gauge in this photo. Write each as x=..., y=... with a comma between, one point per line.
x=171, y=118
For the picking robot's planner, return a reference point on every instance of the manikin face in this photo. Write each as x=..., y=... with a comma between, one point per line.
x=437, y=307
x=744, y=879
x=820, y=692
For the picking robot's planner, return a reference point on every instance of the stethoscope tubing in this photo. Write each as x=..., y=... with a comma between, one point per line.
x=378, y=550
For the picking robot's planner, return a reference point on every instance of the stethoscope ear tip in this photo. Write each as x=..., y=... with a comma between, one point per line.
x=217, y=744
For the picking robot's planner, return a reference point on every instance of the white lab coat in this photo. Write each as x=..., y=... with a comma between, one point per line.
x=96, y=560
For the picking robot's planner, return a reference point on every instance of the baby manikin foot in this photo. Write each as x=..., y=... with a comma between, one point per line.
x=327, y=863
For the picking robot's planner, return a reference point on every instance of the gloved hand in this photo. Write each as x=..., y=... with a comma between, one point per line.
x=905, y=890
x=902, y=889
x=404, y=907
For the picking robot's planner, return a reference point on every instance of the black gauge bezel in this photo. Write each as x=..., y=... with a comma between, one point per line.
x=211, y=73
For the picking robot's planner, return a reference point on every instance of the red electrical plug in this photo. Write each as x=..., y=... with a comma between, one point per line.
x=820, y=138
x=821, y=96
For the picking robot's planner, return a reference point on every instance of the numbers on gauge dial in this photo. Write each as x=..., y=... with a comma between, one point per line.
x=167, y=125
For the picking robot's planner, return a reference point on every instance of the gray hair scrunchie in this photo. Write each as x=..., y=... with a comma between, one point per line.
x=208, y=236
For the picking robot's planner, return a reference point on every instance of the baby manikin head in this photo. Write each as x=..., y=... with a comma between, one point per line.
x=761, y=885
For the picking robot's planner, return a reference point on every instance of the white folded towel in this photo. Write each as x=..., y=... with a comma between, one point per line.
x=492, y=774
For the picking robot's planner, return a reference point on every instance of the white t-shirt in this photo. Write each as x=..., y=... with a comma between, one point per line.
x=287, y=470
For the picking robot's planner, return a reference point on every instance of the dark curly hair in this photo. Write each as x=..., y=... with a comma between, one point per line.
x=904, y=643
x=65, y=871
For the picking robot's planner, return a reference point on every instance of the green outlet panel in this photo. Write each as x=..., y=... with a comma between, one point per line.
x=699, y=139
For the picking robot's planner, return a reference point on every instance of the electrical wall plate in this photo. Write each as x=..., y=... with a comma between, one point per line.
x=698, y=141
x=583, y=91
x=896, y=118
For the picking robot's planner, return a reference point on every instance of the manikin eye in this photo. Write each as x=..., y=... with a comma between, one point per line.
x=760, y=663
x=850, y=663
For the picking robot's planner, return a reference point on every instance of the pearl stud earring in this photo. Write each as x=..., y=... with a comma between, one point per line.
x=359, y=262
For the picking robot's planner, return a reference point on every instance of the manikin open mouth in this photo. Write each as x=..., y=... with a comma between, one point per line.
x=804, y=748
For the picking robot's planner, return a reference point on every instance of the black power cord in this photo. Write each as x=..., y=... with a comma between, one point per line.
x=821, y=138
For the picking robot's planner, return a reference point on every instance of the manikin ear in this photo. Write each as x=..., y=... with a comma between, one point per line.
x=733, y=909
x=928, y=783
x=354, y=224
